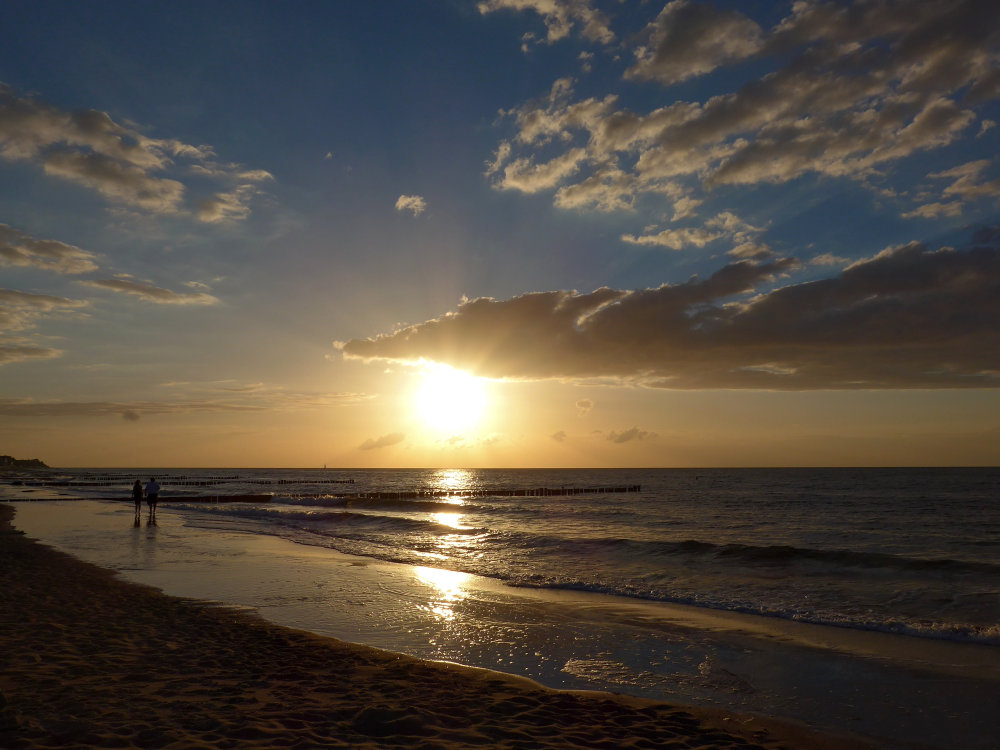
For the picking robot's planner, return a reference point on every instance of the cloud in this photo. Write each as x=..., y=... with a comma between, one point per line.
x=122, y=182
x=967, y=181
x=909, y=317
x=29, y=408
x=829, y=259
x=19, y=310
x=690, y=39
x=10, y=352
x=675, y=239
x=260, y=395
x=935, y=210
x=412, y=203
x=725, y=224
x=20, y=249
x=561, y=17
x=627, y=436
x=967, y=185
x=218, y=396
x=559, y=437
x=848, y=90
x=583, y=406
x=393, y=438
x=152, y=293
x=89, y=148
x=229, y=205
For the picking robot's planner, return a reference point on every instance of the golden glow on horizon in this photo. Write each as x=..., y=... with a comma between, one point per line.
x=450, y=400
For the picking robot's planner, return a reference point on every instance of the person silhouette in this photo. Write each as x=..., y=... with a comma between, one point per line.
x=152, y=495
x=137, y=496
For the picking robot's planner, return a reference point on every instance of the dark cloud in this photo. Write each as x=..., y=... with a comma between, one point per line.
x=130, y=416
x=910, y=317
x=626, y=436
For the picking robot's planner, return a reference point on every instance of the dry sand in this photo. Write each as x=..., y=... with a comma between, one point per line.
x=90, y=661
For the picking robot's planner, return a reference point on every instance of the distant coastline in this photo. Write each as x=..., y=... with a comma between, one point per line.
x=9, y=462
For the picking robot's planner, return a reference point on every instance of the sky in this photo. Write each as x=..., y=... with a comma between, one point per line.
x=500, y=233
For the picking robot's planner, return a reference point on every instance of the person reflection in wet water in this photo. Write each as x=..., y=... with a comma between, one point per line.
x=137, y=499
x=152, y=495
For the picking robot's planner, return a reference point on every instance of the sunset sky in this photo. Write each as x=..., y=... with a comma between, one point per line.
x=641, y=234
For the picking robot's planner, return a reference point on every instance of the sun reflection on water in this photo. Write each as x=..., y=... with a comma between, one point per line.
x=448, y=587
x=454, y=479
x=452, y=520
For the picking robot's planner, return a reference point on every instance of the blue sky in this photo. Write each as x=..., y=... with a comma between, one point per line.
x=671, y=233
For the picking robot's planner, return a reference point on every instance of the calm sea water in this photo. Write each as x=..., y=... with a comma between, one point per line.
x=911, y=551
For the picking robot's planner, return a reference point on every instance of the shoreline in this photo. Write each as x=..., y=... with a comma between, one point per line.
x=95, y=661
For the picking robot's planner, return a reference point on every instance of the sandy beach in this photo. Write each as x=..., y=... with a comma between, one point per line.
x=89, y=660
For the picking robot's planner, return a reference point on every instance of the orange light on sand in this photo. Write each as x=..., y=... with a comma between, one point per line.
x=450, y=400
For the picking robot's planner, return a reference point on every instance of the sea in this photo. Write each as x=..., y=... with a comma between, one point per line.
x=911, y=556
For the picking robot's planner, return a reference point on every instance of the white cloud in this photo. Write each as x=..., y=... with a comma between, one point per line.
x=851, y=89
x=117, y=161
x=561, y=17
x=415, y=204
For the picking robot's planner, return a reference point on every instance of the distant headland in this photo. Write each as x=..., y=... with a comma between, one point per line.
x=9, y=462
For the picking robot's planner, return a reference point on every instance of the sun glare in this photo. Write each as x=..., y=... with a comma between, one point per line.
x=451, y=400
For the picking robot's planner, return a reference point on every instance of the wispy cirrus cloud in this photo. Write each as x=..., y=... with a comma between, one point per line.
x=15, y=352
x=185, y=398
x=20, y=249
x=152, y=293
x=909, y=317
x=20, y=311
x=122, y=164
x=854, y=88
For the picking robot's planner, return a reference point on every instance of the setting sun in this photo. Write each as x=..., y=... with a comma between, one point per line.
x=450, y=400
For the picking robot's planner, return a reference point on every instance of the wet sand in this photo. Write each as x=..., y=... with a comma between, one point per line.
x=88, y=660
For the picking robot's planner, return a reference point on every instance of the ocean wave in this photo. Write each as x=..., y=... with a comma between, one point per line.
x=339, y=501
x=760, y=556
x=322, y=520
x=988, y=634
